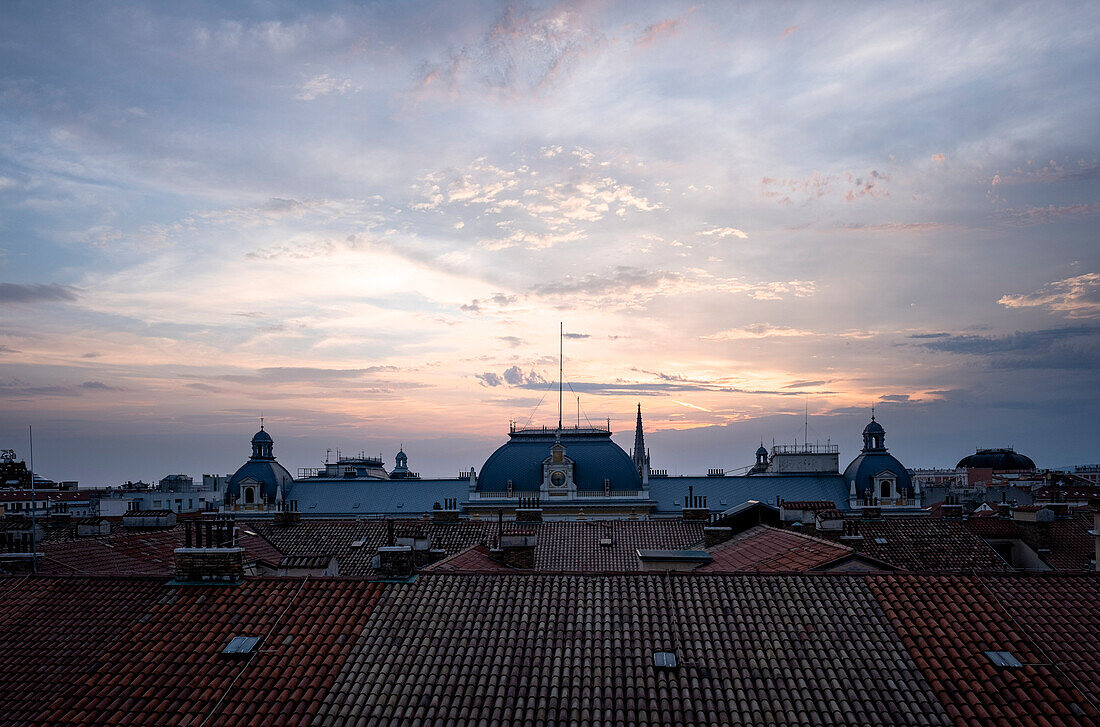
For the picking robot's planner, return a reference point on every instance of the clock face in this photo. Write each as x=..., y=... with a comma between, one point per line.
x=557, y=479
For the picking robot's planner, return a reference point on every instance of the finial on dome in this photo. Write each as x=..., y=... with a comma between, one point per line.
x=872, y=412
x=261, y=421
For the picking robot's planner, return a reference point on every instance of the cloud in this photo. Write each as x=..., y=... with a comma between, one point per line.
x=1049, y=173
x=7, y=349
x=324, y=85
x=757, y=330
x=642, y=284
x=523, y=53
x=1053, y=348
x=498, y=301
x=577, y=335
x=895, y=397
x=16, y=293
x=805, y=384
x=667, y=28
x=788, y=30
x=98, y=386
x=1039, y=215
x=890, y=227
x=1077, y=297
x=512, y=341
x=488, y=378
x=722, y=232
x=938, y=158
x=512, y=376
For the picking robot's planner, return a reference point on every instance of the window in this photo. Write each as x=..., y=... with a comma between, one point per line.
x=887, y=488
x=1004, y=659
x=249, y=495
x=664, y=660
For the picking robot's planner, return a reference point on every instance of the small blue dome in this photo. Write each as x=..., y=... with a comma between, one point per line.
x=873, y=427
x=261, y=436
x=866, y=466
x=762, y=452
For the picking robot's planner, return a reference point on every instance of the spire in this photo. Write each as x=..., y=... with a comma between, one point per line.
x=641, y=459
x=561, y=366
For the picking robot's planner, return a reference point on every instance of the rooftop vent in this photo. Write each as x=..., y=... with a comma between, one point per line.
x=1004, y=659
x=241, y=646
x=665, y=660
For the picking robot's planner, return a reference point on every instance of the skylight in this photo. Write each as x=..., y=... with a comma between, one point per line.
x=241, y=646
x=664, y=660
x=1004, y=659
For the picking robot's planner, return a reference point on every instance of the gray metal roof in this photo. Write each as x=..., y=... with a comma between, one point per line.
x=725, y=492
x=374, y=497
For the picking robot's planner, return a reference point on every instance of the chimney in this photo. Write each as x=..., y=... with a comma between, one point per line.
x=714, y=534
x=1059, y=506
x=1004, y=507
x=952, y=508
x=829, y=520
x=849, y=533
x=517, y=549
x=288, y=513
x=870, y=509
x=448, y=513
x=420, y=544
x=528, y=510
x=210, y=553
x=695, y=507
x=1034, y=523
x=395, y=561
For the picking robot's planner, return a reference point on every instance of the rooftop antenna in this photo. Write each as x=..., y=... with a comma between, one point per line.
x=34, y=508
x=806, y=426
x=561, y=366
x=578, y=411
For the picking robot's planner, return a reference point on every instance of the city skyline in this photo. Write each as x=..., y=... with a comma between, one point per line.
x=367, y=223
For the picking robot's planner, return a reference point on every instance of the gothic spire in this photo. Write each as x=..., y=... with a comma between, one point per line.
x=641, y=459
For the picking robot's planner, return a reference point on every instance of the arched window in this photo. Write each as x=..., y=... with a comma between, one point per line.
x=249, y=495
x=886, y=489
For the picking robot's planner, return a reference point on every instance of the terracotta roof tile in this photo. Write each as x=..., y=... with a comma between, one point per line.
x=767, y=549
x=925, y=544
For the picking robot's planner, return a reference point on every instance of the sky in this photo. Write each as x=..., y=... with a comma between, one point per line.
x=368, y=221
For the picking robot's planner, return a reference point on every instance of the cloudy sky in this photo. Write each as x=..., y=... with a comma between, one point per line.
x=368, y=222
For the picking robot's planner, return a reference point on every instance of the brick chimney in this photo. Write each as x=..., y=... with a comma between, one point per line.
x=695, y=507
x=210, y=553
x=714, y=534
x=849, y=533
x=952, y=508
x=448, y=513
x=1034, y=523
x=517, y=549
x=529, y=510
x=288, y=513
x=395, y=561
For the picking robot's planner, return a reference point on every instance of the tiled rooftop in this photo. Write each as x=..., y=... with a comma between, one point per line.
x=767, y=549
x=898, y=649
x=925, y=544
x=137, y=552
x=147, y=653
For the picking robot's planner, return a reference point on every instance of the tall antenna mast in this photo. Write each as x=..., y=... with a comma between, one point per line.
x=34, y=507
x=561, y=366
x=806, y=426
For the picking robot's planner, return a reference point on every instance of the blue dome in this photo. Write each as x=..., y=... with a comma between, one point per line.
x=866, y=466
x=262, y=436
x=873, y=427
x=596, y=459
x=762, y=452
x=268, y=473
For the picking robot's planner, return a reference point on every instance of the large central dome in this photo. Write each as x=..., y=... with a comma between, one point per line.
x=596, y=458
